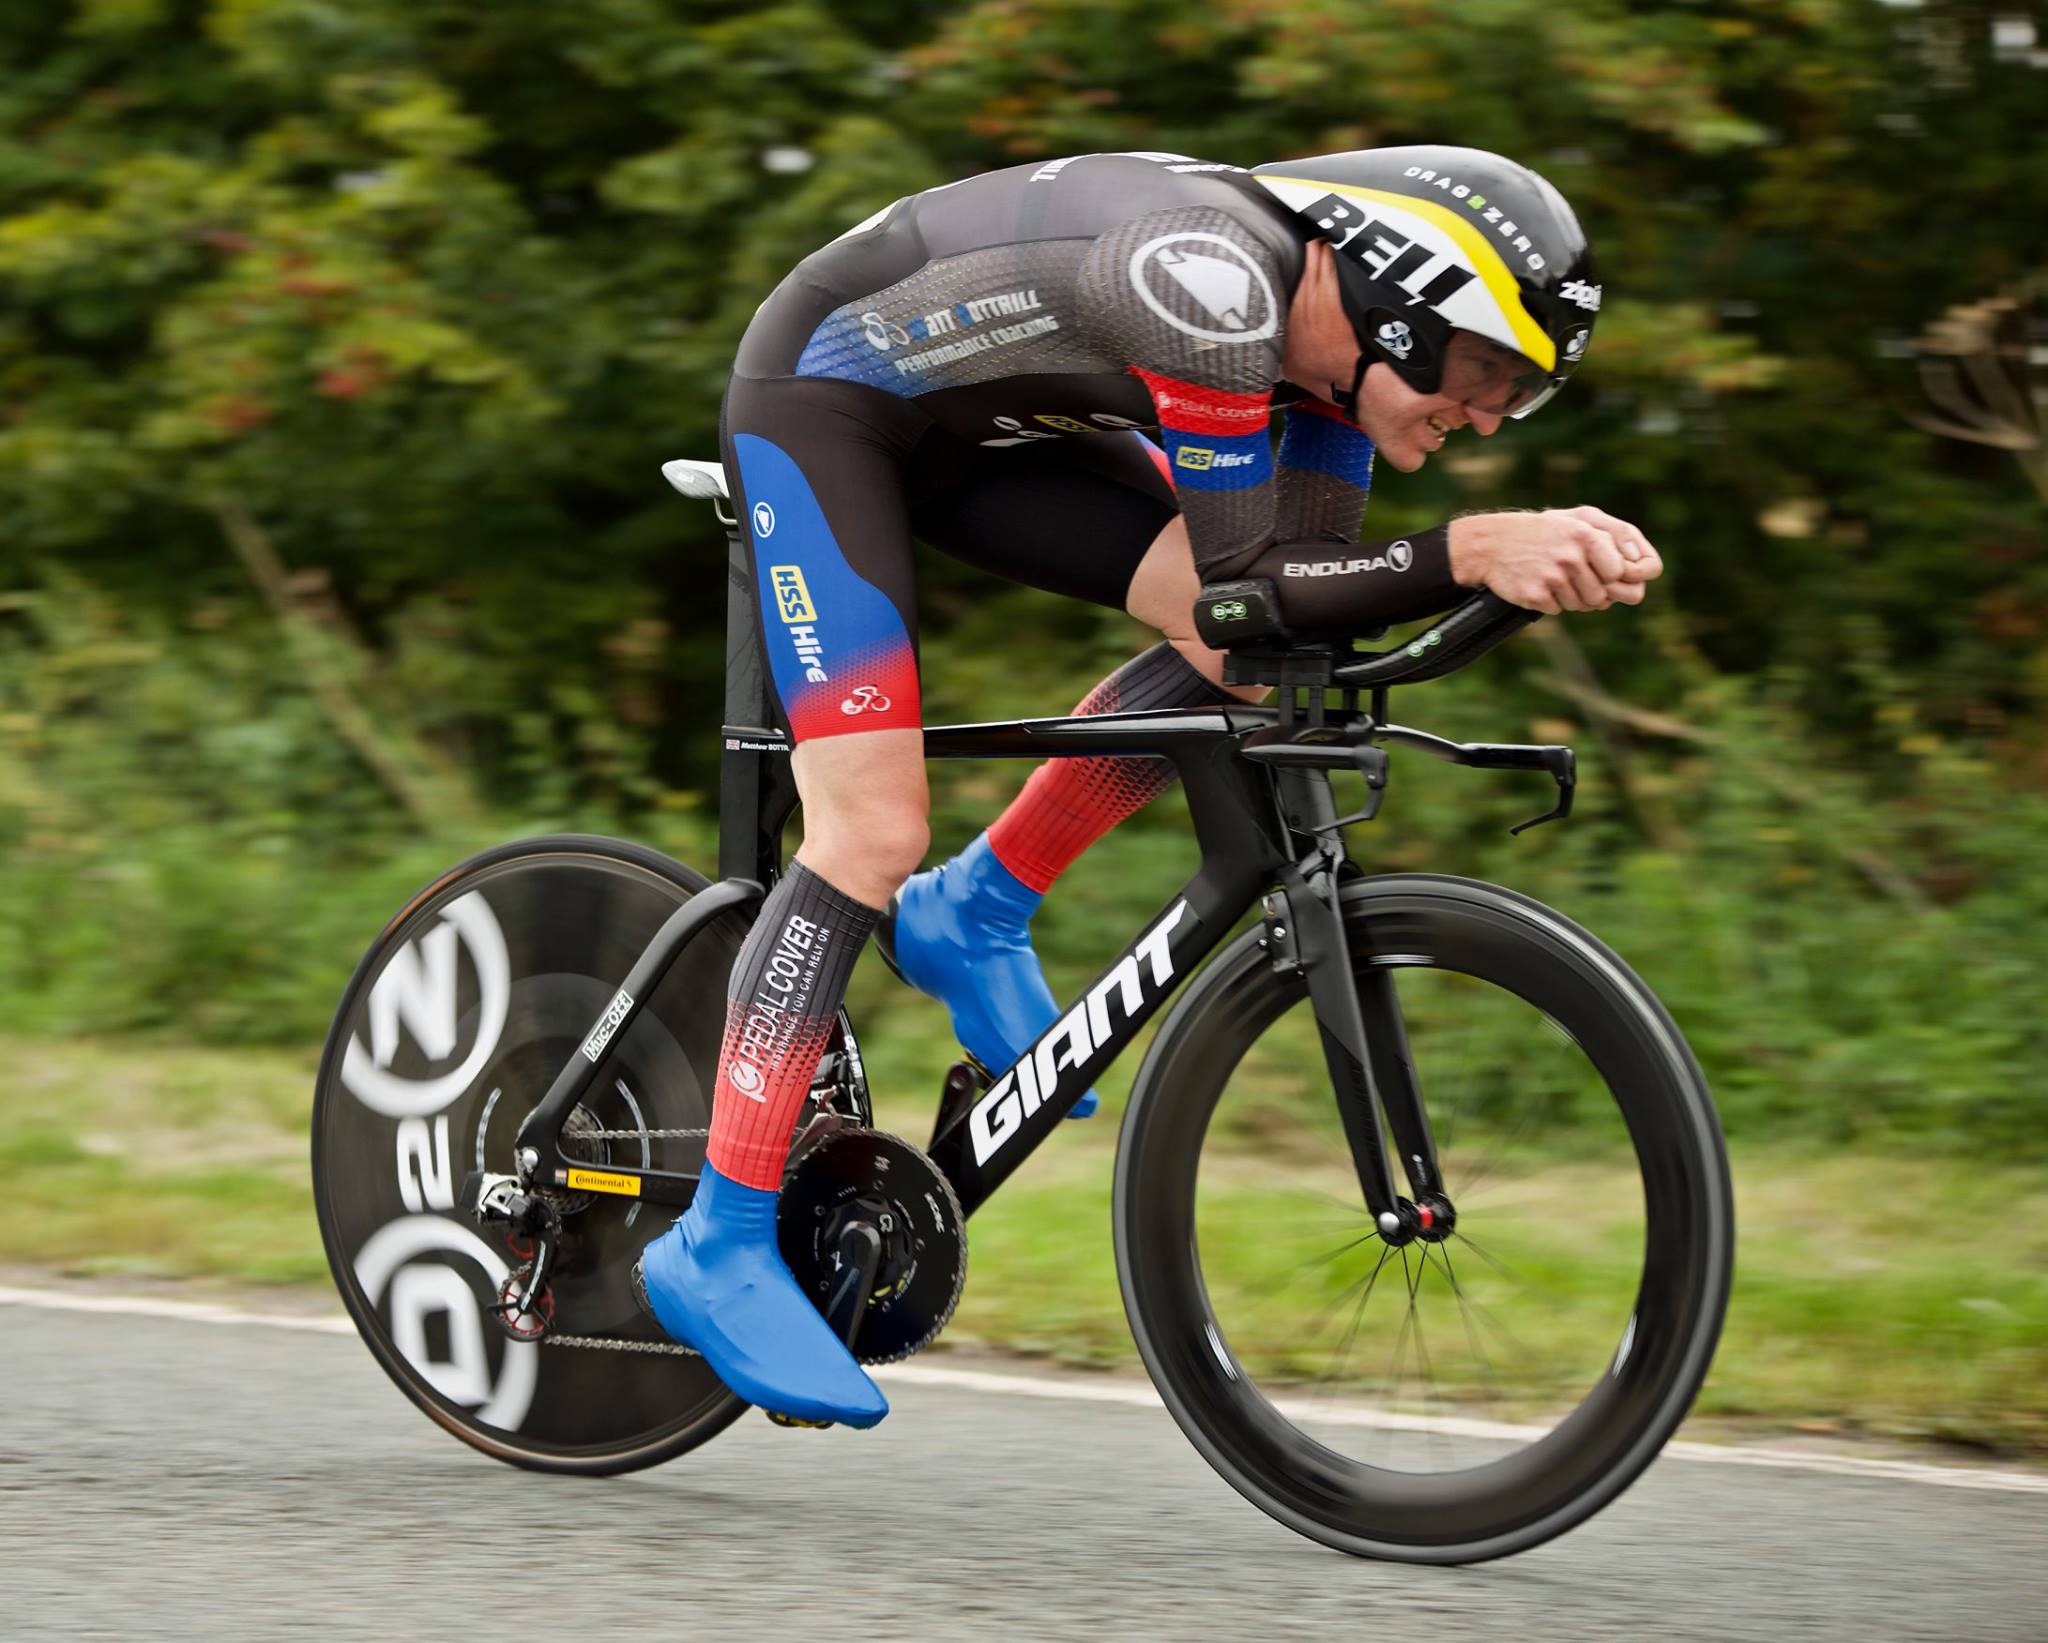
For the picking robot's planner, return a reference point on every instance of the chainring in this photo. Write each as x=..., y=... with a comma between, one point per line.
x=884, y=1180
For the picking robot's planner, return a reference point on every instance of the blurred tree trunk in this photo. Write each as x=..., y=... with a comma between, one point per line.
x=433, y=793
x=1985, y=366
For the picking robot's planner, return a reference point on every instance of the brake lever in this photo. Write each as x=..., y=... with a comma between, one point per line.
x=1562, y=764
x=1554, y=757
x=1371, y=763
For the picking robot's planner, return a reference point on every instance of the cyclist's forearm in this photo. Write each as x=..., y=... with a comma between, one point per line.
x=1327, y=586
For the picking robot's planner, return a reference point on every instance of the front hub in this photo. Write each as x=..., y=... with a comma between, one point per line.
x=1429, y=1220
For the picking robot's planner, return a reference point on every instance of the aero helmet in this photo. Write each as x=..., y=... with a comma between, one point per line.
x=1432, y=240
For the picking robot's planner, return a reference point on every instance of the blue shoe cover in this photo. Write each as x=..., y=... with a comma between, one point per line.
x=716, y=1281
x=961, y=934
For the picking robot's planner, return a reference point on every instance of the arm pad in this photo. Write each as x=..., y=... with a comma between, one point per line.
x=1350, y=588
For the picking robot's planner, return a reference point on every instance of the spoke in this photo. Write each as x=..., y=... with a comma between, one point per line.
x=1357, y=1317
x=1465, y=1306
x=1331, y=1255
x=1499, y=1266
x=1425, y=1369
x=1349, y=1206
x=1316, y=1324
x=1491, y=1158
x=1488, y=1316
x=1392, y=1381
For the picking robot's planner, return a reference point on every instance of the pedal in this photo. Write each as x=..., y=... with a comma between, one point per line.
x=793, y=1420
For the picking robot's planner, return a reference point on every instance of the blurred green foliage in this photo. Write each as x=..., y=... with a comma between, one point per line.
x=339, y=347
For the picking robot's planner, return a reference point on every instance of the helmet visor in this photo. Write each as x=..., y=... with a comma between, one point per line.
x=1494, y=379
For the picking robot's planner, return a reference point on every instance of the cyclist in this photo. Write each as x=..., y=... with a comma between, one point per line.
x=969, y=366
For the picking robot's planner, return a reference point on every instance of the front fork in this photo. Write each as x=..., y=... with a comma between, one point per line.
x=1358, y=1017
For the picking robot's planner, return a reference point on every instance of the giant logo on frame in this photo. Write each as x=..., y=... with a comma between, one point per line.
x=417, y=997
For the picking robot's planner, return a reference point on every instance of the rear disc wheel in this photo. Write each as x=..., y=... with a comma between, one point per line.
x=453, y=1027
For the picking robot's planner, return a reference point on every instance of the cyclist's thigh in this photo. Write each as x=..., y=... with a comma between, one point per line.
x=1073, y=516
x=816, y=470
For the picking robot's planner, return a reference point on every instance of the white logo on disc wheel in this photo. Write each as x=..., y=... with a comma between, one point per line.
x=459, y=1366
x=418, y=992
x=1223, y=281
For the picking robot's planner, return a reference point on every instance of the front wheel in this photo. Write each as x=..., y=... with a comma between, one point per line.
x=1498, y=1380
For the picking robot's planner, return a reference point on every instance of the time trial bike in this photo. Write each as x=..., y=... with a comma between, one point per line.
x=1421, y=1211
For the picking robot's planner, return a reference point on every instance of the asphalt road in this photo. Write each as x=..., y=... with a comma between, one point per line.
x=166, y=1478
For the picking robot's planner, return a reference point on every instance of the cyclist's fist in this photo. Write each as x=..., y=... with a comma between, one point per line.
x=1562, y=559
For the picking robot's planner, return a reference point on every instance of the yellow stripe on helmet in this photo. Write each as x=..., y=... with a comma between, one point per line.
x=1529, y=337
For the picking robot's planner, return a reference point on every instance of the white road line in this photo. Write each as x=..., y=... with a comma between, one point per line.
x=189, y=1312
x=1128, y=1395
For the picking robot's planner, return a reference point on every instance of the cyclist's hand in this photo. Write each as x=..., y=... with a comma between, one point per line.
x=1558, y=560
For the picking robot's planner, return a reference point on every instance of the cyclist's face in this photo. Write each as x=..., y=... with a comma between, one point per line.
x=1485, y=376
x=1483, y=384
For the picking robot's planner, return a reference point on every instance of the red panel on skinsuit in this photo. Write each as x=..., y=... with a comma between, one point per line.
x=1190, y=408
x=871, y=689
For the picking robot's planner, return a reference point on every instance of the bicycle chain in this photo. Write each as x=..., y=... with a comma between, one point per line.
x=610, y=1343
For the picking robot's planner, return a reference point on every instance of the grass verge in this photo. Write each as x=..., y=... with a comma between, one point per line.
x=1859, y=1303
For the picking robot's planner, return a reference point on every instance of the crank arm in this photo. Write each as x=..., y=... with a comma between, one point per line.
x=859, y=1258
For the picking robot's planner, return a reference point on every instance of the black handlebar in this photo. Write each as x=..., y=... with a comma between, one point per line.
x=1466, y=634
x=1243, y=619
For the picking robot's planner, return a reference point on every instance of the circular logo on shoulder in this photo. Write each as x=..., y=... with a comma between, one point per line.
x=416, y=1018
x=764, y=519
x=1205, y=286
x=1401, y=555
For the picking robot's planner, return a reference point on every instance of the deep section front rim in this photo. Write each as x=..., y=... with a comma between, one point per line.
x=1258, y=1436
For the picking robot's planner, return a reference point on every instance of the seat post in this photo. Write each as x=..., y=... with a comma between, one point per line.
x=756, y=792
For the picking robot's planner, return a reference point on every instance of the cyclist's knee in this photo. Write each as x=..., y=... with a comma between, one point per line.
x=864, y=805
x=866, y=843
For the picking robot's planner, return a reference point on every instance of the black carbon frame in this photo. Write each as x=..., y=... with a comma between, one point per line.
x=1258, y=792
x=1241, y=826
